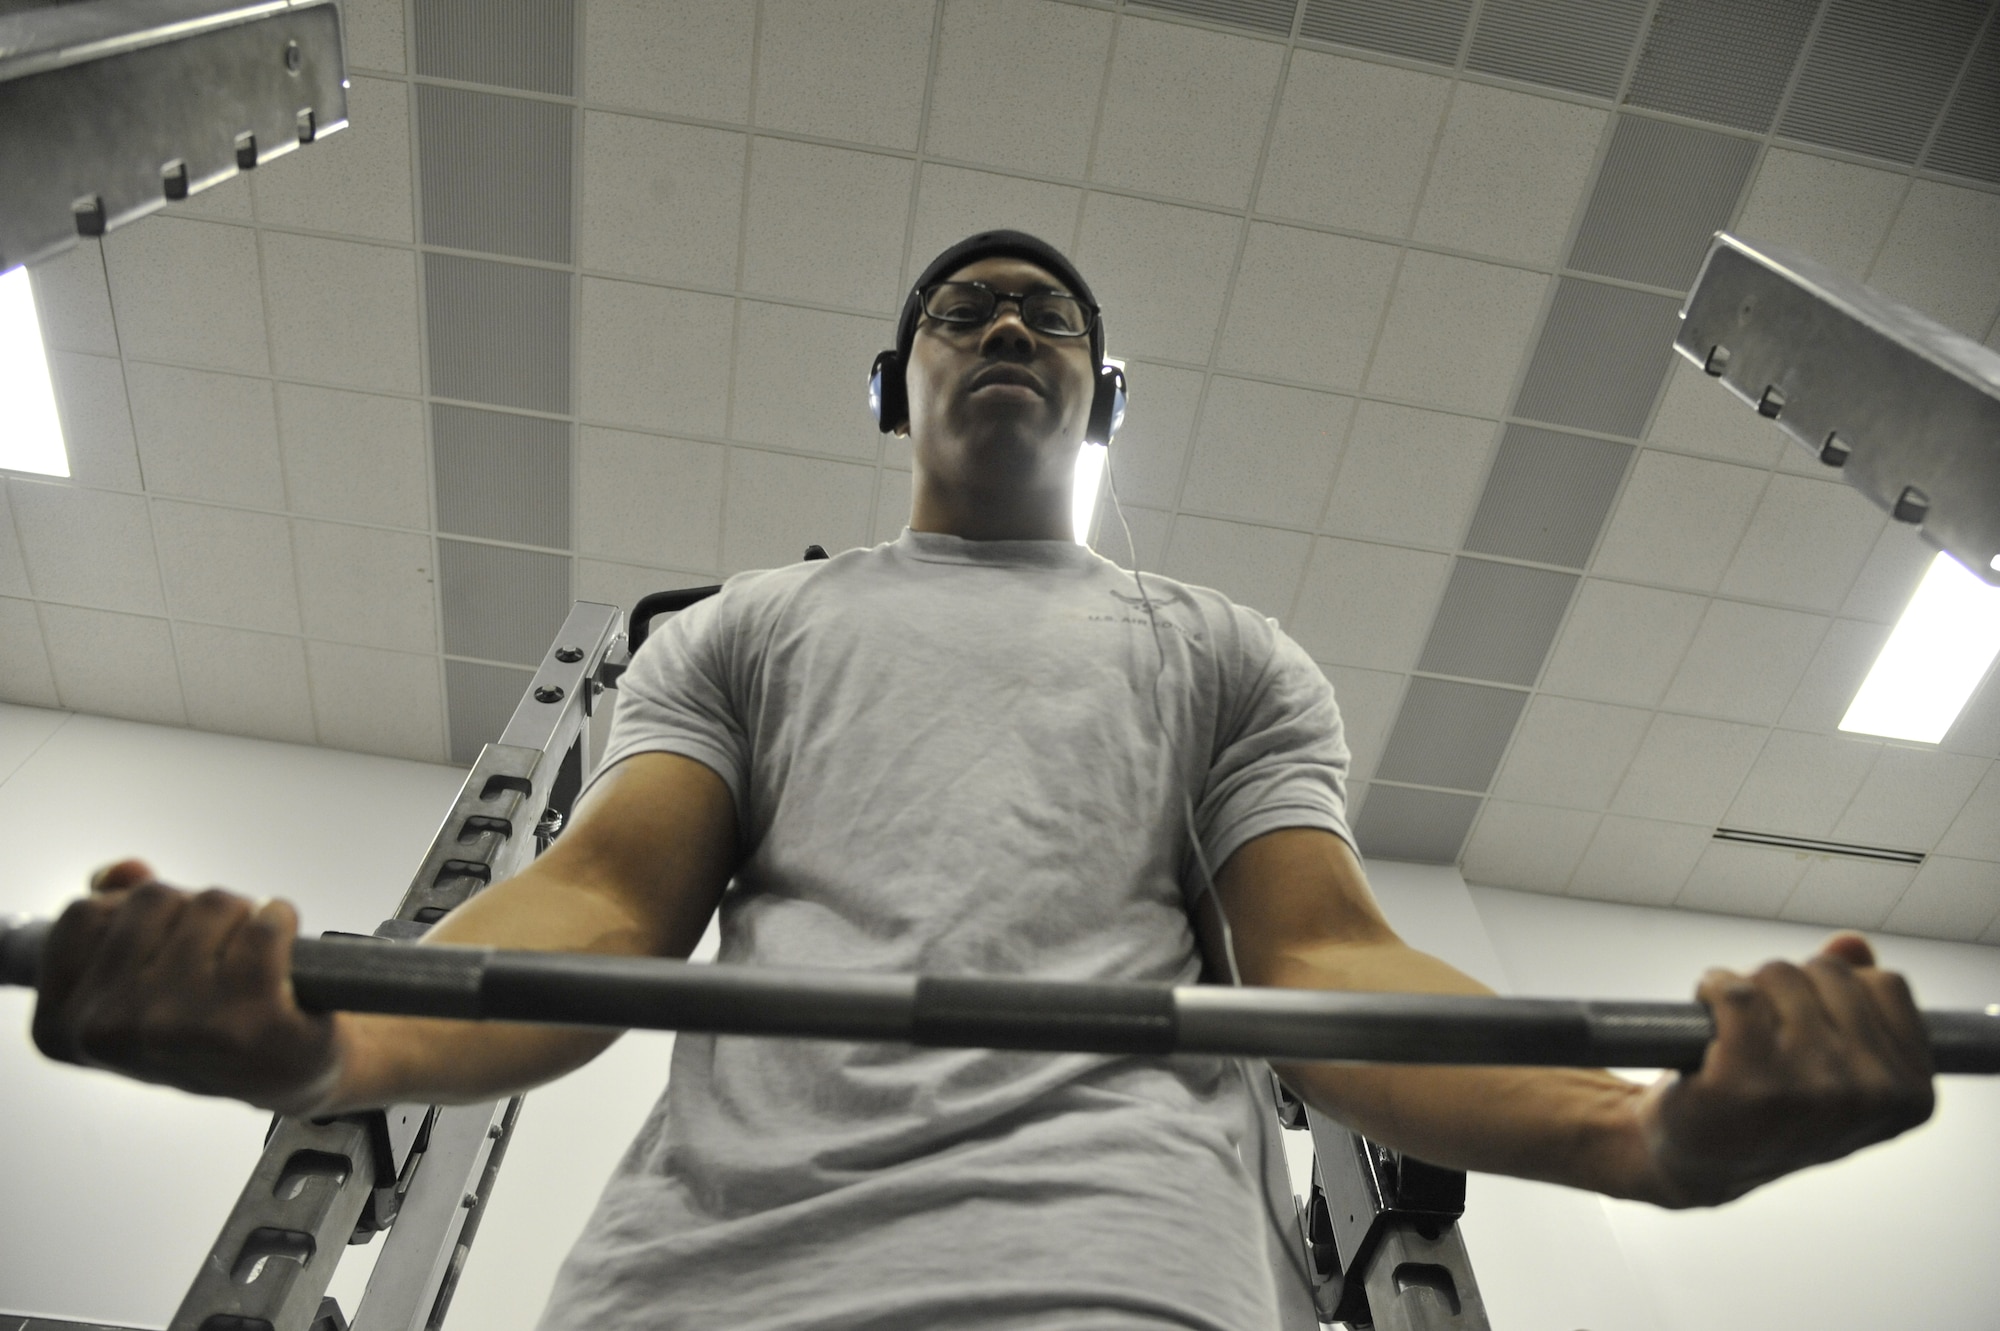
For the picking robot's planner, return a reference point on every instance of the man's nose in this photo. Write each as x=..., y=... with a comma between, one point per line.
x=1007, y=332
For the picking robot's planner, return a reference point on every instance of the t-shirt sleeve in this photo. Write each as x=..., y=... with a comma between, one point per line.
x=1280, y=756
x=678, y=696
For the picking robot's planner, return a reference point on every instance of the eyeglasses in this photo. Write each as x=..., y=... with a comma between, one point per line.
x=973, y=305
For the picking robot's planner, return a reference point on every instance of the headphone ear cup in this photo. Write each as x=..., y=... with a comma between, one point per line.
x=1107, y=406
x=888, y=395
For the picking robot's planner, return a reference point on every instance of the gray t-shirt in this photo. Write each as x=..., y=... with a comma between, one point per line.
x=946, y=757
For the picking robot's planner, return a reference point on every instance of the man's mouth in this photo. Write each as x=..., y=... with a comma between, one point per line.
x=1006, y=375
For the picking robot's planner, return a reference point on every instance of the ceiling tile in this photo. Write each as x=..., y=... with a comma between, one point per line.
x=357, y=181
x=1570, y=753
x=1456, y=332
x=1622, y=643
x=354, y=456
x=374, y=32
x=1409, y=476
x=1977, y=729
x=1876, y=77
x=1745, y=661
x=479, y=702
x=623, y=584
x=373, y=701
x=1547, y=496
x=1254, y=566
x=226, y=566
x=800, y=379
x=499, y=332
x=1422, y=826
x=1368, y=700
x=74, y=299
x=1043, y=63
x=502, y=475
x=627, y=332
x=1801, y=783
x=365, y=586
x=1678, y=522
x=1509, y=172
x=1450, y=734
x=1264, y=451
x=1603, y=353
x=1581, y=45
x=1805, y=544
x=1496, y=621
x=1890, y=576
x=498, y=603
x=1837, y=669
x=1185, y=111
x=680, y=57
x=189, y=291
x=1147, y=547
x=1420, y=29
x=87, y=547
x=1151, y=447
x=24, y=664
x=1526, y=847
x=892, y=505
x=1731, y=878
x=96, y=420
x=1726, y=63
x=826, y=224
x=1967, y=142
x=367, y=338
x=648, y=500
x=833, y=78
x=953, y=203
x=113, y=665
x=1954, y=899
x=1306, y=305
x=1368, y=605
x=1159, y=271
x=1365, y=177
x=1836, y=212
x=779, y=504
x=245, y=683
x=526, y=44
x=206, y=436
x=13, y=572
x=1910, y=798
x=1663, y=190
x=660, y=200
x=1847, y=893
x=1638, y=860
x=1943, y=255
x=1688, y=769
x=1975, y=832
x=1698, y=415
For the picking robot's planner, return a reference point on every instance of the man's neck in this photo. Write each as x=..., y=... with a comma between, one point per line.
x=1000, y=515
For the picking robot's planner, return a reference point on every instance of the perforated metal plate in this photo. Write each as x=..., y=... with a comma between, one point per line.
x=1721, y=60
x=1496, y=622
x=1878, y=74
x=1547, y=496
x=499, y=332
x=501, y=604
x=1582, y=45
x=1421, y=29
x=1425, y=826
x=495, y=173
x=1968, y=143
x=502, y=476
x=1272, y=16
x=1602, y=357
x=478, y=700
x=1663, y=190
x=1450, y=734
x=528, y=44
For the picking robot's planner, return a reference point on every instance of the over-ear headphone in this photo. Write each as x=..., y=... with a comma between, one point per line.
x=889, y=398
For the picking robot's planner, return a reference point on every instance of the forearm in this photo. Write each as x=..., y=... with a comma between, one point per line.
x=1572, y=1126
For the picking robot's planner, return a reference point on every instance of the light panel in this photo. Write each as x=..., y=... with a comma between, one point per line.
x=1083, y=496
x=1939, y=651
x=30, y=431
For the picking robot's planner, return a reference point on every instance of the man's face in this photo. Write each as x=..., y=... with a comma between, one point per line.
x=999, y=394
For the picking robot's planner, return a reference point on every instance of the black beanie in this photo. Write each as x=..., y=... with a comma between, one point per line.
x=987, y=245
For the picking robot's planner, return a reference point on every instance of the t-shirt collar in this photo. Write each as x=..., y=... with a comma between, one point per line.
x=932, y=547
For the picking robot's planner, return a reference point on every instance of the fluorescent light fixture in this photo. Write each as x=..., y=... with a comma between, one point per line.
x=1939, y=651
x=30, y=431
x=1090, y=461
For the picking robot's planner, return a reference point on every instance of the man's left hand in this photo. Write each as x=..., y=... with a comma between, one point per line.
x=1808, y=1064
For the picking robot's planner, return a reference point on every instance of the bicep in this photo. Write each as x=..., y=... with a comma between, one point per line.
x=1290, y=895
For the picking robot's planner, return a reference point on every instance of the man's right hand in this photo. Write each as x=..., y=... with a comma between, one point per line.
x=186, y=989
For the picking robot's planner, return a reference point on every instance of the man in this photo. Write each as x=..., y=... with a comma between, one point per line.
x=980, y=749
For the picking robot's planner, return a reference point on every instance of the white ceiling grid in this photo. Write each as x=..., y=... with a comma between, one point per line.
x=580, y=303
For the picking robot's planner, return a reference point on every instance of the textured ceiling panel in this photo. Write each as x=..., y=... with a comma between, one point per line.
x=528, y=44
x=499, y=332
x=1422, y=826
x=1421, y=29
x=502, y=476
x=1496, y=622
x=1581, y=45
x=1878, y=73
x=1968, y=143
x=1450, y=735
x=1547, y=496
x=1663, y=191
x=479, y=699
x=486, y=164
x=1603, y=354
x=1721, y=60
x=1273, y=16
x=501, y=604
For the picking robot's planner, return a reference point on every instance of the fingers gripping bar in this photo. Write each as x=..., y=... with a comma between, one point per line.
x=562, y=988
